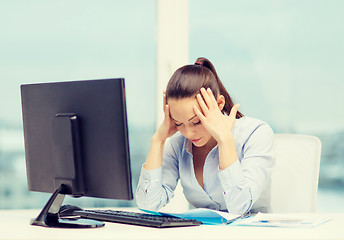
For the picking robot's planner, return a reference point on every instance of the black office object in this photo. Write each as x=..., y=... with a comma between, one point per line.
x=134, y=218
x=76, y=143
x=68, y=210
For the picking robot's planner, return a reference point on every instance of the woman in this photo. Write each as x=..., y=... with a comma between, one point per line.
x=223, y=159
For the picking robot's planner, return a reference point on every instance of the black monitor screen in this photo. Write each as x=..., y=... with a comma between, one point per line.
x=76, y=134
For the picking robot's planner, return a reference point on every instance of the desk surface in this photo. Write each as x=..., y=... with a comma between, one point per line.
x=14, y=224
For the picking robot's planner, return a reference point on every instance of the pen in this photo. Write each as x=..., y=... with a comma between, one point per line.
x=247, y=215
x=280, y=221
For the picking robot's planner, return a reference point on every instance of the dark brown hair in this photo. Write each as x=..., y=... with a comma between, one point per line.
x=188, y=80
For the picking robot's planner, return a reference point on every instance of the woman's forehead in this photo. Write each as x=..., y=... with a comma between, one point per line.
x=182, y=109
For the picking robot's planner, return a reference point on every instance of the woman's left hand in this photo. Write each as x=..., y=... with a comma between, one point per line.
x=217, y=124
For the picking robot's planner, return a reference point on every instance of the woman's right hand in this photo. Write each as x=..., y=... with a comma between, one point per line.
x=166, y=130
x=168, y=127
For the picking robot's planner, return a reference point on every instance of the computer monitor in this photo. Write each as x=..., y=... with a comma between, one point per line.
x=76, y=143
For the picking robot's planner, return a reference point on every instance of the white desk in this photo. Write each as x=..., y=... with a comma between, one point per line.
x=14, y=224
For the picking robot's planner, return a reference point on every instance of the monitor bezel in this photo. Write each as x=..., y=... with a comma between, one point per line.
x=91, y=101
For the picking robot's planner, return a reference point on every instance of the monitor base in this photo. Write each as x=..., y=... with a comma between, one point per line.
x=68, y=223
x=49, y=216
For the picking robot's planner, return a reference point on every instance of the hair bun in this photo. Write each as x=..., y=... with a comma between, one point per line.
x=198, y=62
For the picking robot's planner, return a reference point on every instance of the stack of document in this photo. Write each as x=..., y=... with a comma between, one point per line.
x=213, y=217
x=282, y=220
x=206, y=216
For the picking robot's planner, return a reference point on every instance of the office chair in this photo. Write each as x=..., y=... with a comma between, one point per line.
x=294, y=180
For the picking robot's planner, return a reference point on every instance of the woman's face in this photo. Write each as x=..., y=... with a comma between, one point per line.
x=187, y=122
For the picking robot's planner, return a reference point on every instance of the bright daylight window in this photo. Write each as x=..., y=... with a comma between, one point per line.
x=283, y=62
x=52, y=41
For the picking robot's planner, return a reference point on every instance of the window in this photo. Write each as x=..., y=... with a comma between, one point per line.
x=282, y=61
x=52, y=41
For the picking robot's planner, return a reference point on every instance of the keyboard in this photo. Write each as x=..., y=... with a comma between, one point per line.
x=141, y=219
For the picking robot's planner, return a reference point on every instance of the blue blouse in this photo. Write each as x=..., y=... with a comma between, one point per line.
x=244, y=186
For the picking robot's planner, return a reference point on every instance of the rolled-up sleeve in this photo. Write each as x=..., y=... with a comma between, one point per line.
x=244, y=181
x=156, y=186
x=148, y=193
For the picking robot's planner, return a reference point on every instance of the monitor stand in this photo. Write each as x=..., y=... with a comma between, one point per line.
x=49, y=216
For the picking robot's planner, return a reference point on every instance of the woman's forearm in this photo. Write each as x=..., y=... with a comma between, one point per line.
x=227, y=152
x=154, y=158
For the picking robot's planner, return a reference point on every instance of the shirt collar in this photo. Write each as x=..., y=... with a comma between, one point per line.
x=187, y=146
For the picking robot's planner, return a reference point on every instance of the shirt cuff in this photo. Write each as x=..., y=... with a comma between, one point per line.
x=232, y=177
x=152, y=175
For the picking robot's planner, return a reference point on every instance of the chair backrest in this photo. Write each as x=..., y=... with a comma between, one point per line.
x=294, y=180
